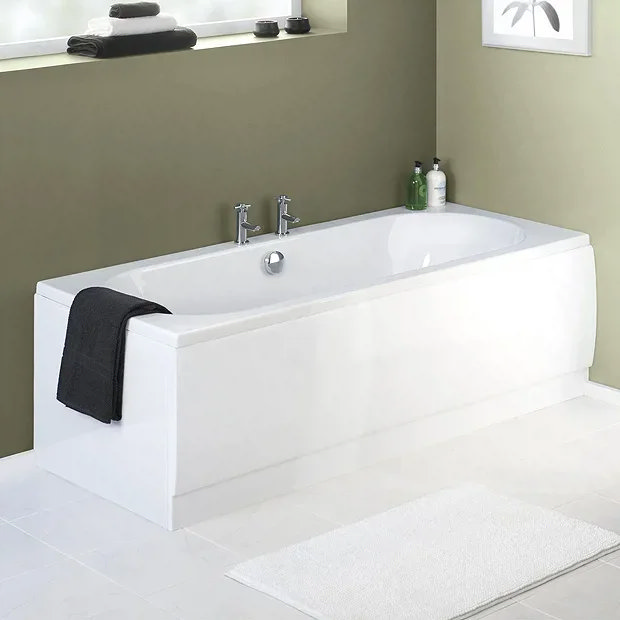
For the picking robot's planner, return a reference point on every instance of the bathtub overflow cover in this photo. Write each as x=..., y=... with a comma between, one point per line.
x=274, y=263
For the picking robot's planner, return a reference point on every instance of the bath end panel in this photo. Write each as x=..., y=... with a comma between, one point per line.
x=127, y=462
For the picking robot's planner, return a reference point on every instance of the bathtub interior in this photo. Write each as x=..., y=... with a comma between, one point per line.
x=321, y=263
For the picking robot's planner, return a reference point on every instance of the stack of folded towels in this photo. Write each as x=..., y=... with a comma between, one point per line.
x=134, y=28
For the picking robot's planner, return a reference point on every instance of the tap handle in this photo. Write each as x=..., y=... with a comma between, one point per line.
x=291, y=218
x=283, y=199
x=242, y=207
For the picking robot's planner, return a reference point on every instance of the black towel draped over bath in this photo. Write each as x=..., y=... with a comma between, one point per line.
x=91, y=371
x=131, y=45
x=134, y=9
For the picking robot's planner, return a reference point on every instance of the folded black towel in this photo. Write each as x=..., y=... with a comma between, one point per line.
x=91, y=371
x=134, y=9
x=133, y=44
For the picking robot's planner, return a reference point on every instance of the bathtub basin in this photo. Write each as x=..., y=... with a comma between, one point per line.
x=384, y=332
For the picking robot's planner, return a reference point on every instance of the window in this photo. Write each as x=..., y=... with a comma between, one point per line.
x=32, y=27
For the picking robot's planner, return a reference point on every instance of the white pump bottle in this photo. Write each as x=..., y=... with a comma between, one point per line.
x=436, y=183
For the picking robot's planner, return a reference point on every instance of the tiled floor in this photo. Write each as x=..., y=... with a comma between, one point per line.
x=65, y=554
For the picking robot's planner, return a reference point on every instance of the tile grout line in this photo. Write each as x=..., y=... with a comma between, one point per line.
x=335, y=524
x=26, y=572
x=554, y=444
x=602, y=496
x=125, y=588
x=573, y=439
x=94, y=571
x=48, y=509
x=211, y=541
x=42, y=542
x=591, y=432
x=509, y=602
x=594, y=493
x=544, y=613
x=608, y=563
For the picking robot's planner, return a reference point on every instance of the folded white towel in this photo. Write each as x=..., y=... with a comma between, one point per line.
x=113, y=26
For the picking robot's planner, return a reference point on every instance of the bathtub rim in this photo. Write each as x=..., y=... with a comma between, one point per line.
x=178, y=331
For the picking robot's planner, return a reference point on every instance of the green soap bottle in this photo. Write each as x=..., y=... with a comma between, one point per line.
x=416, y=189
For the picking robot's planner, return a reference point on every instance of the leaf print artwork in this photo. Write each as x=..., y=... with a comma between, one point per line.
x=555, y=26
x=529, y=6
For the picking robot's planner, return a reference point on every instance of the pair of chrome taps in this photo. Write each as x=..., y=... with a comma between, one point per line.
x=283, y=220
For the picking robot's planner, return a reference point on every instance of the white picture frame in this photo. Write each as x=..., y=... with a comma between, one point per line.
x=556, y=26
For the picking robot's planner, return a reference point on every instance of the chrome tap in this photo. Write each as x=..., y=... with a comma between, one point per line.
x=243, y=225
x=283, y=217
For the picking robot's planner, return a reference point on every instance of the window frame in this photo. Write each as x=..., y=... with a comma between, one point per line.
x=58, y=45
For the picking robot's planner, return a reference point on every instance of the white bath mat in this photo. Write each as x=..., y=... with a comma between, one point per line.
x=442, y=557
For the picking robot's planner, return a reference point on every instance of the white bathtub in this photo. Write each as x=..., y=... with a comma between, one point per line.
x=384, y=333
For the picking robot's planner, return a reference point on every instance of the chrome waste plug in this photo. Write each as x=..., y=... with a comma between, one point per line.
x=274, y=263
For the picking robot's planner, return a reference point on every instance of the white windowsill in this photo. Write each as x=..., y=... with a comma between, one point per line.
x=56, y=60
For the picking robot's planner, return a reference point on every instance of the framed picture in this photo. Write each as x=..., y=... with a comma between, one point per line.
x=559, y=26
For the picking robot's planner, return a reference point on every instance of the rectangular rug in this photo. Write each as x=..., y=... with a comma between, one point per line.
x=445, y=556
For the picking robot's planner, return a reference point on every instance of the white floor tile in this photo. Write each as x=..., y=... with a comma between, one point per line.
x=501, y=606
x=595, y=509
x=356, y=496
x=462, y=457
x=136, y=610
x=592, y=594
x=67, y=590
x=11, y=467
x=568, y=421
x=533, y=433
x=221, y=598
x=546, y=475
x=561, y=472
x=598, y=456
x=516, y=611
x=89, y=525
x=610, y=492
x=161, y=562
x=435, y=467
x=612, y=558
x=20, y=552
x=548, y=479
x=25, y=489
x=262, y=528
x=512, y=439
x=497, y=456
x=542, y=431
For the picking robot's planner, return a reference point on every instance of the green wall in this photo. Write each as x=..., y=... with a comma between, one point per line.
x=106, y=162
x=536, y=135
